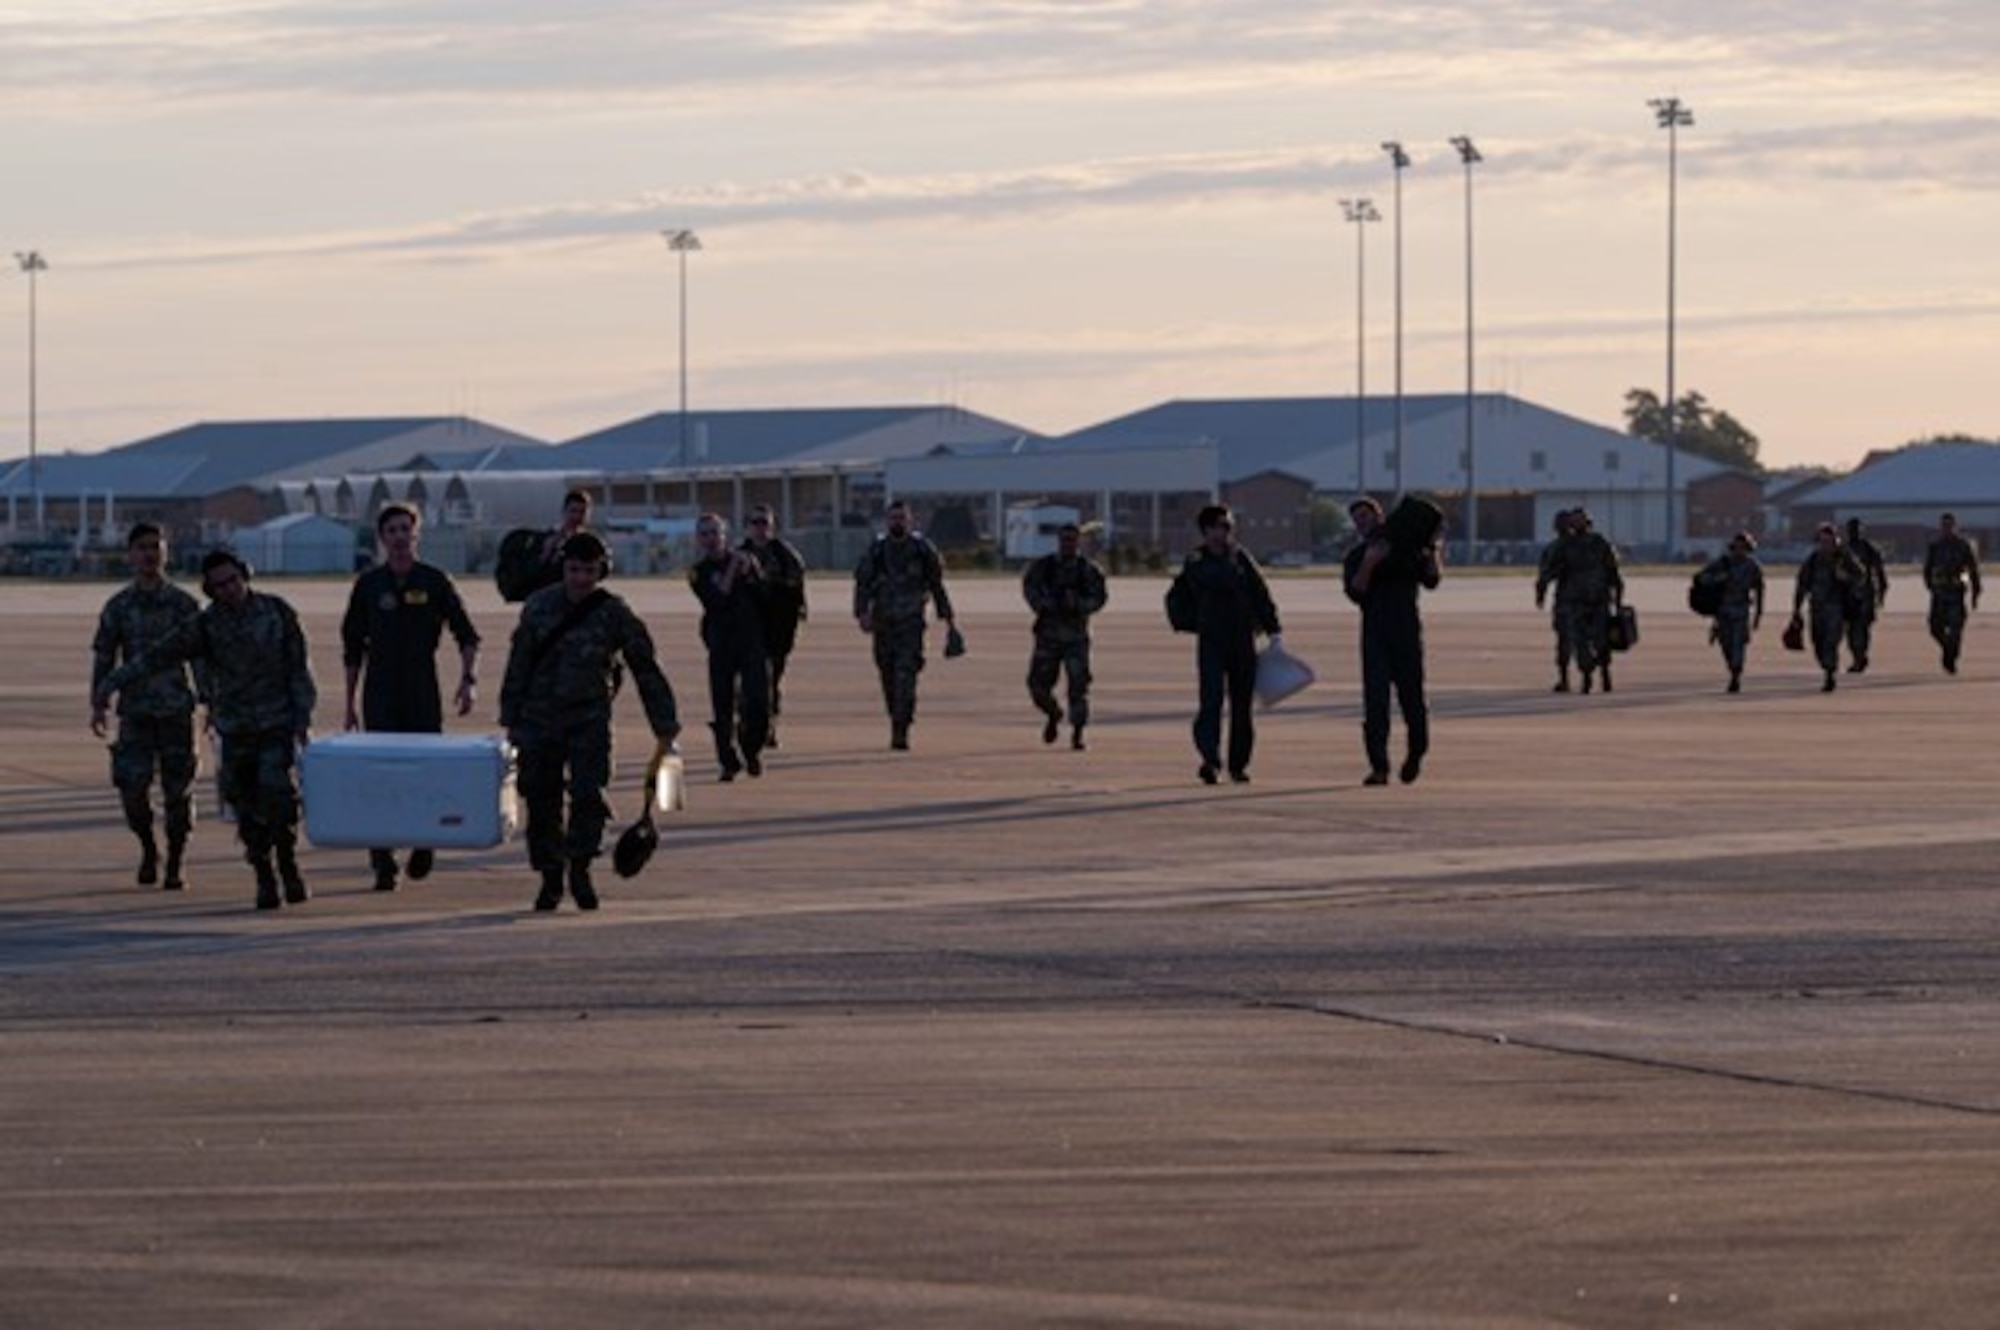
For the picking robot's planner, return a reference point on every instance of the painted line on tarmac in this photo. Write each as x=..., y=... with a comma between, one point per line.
x=1641, y=1061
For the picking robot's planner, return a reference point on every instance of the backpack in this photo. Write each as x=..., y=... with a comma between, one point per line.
x=1705, y=593
x=517, y=567
x=1183, y=605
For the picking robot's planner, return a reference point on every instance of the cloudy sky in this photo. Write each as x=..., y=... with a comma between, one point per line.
x=1051, y=211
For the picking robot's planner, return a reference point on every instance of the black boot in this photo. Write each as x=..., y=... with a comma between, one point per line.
x=267, y=882
x=176, y=850
x=1076, y=738
x=149, y=859
x=551, y=893
x=296, y=892
x=580, y=885
x=725, y=751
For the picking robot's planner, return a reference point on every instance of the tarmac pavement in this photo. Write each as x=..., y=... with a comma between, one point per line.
x=1661, y=1008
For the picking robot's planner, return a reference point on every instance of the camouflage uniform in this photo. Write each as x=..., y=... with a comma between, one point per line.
x=155, y=711
x=1829, y=584
x=784, y=606
x=556, y=706
x=1549, y=573
x=261, y=699
x=891, y=584
x=1742, y=582
x=1588, y=583
x=1949, y=567
x=1861, y=613
x=1063, y=593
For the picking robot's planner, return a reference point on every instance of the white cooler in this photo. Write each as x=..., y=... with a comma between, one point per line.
x=435, y=791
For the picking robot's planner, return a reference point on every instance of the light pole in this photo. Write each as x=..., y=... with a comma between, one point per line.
x=1671, y=114
x=1400, y=161
x=32, y=262
x=1470, y=156
x=1360, y=212
x=683, y=243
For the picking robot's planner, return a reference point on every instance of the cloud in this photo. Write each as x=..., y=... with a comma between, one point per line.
x=1952, y=155
x=144, y=52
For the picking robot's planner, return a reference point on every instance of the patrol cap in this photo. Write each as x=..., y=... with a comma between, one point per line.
x=635, y=847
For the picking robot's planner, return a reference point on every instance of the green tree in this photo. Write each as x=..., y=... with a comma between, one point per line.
x=1698, y=427
x=1330, y=526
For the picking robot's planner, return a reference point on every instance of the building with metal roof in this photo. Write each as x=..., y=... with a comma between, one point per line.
x=1144, y=474
x=743, y=440
x=217, y=476
x=298, y=543
x=1899, y=496
x=1525, y=461
x=830, y=469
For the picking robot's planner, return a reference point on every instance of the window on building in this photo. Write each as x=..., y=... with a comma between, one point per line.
x=1610, y=459
x=1538, y=461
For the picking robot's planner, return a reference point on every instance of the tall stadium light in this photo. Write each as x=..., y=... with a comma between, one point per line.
x=1360, y=212
x=32, y=263
x=683, y=243
x=1671, y=113
x=1399, y=161
x=1470, y=156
